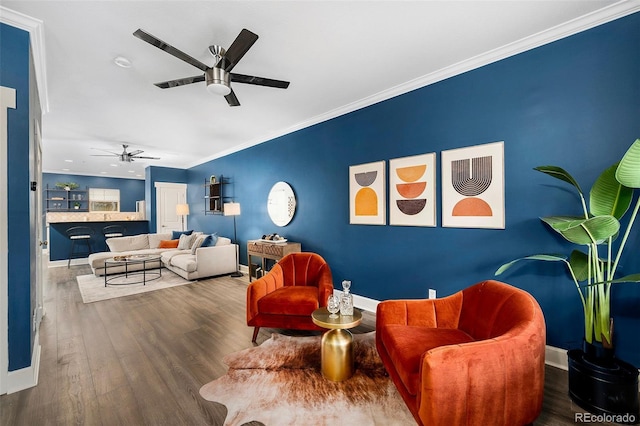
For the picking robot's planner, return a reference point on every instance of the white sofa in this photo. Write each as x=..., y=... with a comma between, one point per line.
x=190, y=264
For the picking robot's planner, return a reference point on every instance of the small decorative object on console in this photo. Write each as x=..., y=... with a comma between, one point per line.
x=274, y=238
x=346, y=302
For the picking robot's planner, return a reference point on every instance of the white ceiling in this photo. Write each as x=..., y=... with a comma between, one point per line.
x=338, y=56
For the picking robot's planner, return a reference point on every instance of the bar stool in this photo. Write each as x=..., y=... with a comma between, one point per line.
x=79, y=234
x=114, y=231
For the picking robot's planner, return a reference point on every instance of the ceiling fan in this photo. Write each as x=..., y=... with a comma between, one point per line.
x=126, y=157
x=218, y=77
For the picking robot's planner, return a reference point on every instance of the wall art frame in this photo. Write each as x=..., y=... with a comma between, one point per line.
x=473, y=187
x=412, y=190
x=367, y=194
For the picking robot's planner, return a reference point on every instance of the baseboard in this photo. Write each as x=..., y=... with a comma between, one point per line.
x=74, y=262
x=25, y=377
x=361, y=302
x=556, y=357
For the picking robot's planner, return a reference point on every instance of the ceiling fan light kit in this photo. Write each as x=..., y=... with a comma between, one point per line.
x=218, y=81
x=218, y=77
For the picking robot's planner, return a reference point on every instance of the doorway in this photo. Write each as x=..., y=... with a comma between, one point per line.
x=168, y=195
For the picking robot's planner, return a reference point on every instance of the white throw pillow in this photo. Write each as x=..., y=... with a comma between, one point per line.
x=198, y=243
x=185, y=242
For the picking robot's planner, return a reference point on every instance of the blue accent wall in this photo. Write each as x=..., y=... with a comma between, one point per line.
x=131, y=190
x=14, y=73
x=574, y=103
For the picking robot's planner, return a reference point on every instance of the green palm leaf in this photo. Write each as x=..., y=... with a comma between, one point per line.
x=608, y=196
x=632, y=278
x=559, y=173
x=579, y=262
x=561, y=223
x=545, y=257
x=593, y=230
x=628, y=172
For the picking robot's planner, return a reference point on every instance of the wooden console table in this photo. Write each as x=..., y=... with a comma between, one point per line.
x=270, y=250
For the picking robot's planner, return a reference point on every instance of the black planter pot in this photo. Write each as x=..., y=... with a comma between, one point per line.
x=598, y=354
x=604, y=386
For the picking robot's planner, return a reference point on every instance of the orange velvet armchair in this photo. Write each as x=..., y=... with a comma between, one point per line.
x=296, y=286
x=473, y=358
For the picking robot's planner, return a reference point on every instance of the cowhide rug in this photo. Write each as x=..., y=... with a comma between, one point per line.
x=279, y=383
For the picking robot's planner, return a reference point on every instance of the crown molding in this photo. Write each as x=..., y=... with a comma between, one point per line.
x=35, y=28
x=574, y=26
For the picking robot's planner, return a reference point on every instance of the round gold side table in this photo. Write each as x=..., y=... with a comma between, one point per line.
x=337, y=343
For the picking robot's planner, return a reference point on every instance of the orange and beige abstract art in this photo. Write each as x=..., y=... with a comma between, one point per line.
x=367, y=194
x=412, y=190
x=473, y=187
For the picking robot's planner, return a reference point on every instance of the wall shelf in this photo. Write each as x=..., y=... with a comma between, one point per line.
x=61, y=200
x=214, y=196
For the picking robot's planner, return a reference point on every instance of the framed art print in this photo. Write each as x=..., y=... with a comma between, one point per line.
x=412, y=190
x=473, y=187
x=367, y=194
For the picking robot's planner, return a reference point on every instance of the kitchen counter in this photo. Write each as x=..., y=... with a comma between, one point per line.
x=59, y=243
x=67, y=217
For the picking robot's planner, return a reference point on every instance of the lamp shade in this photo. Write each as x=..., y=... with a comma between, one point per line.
x=182, y=209
x=231, y=209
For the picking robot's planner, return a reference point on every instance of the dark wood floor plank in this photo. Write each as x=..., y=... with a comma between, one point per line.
x=120, y=407
x=172, y=365
x=157, y=405
x=76, y=395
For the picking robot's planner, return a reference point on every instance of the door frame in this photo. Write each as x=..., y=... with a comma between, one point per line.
x=165, y=185
x=7, y=100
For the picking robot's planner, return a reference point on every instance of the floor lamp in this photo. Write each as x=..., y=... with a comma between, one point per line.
x=182, y=210
x=233, y=209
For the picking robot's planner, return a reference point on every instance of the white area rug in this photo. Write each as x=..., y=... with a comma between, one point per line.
x=93, y=290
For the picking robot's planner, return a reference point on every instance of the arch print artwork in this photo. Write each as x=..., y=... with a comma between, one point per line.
x=473, y=187
x=412, y=190
x=367, y=194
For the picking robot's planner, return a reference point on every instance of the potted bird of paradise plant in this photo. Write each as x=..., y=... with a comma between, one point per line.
x=593, y=270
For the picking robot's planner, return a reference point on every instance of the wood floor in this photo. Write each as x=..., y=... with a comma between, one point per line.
x=140, y=360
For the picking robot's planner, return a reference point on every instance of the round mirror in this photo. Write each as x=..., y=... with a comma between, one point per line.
x=281, y=204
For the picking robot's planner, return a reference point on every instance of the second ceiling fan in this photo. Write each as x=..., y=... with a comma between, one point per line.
x=219, y=76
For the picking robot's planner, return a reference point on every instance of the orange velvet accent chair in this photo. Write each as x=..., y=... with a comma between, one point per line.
x=473, y=358
x=296, y=286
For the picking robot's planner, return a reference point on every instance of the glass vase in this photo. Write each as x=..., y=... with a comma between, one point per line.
x=346, y=304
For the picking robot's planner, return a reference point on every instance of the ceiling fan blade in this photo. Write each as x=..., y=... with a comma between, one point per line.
x=259, y=81
x=146, y=158
x=238, y=48
x=180, y=81
x=232, y=100
x=145, y=36
x=105, y=150
x=104, y=155
x=136, y=152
